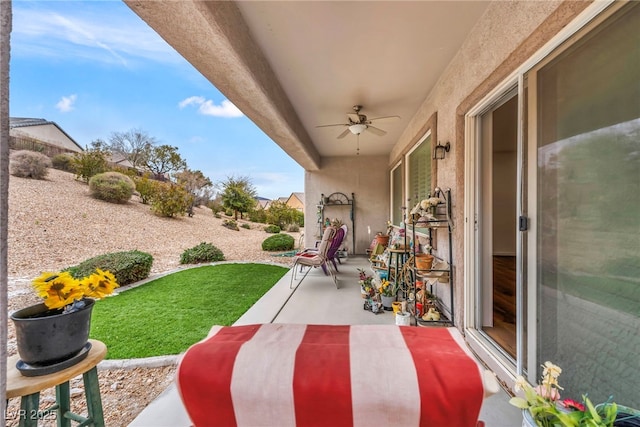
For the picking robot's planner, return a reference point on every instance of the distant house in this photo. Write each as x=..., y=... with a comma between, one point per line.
x=40, y=135
x=262, y=203
x=296, y=201
x=118, y=159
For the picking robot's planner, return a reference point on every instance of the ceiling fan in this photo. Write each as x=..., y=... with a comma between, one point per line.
x=358, y=123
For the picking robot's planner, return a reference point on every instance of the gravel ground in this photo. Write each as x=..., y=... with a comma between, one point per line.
x=55, y=223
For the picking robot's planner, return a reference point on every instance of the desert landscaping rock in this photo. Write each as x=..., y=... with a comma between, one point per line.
x=55, y=223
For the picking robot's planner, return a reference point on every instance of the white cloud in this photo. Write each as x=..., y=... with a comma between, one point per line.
x=104, y=32
x=66, y=103
x=208, y=108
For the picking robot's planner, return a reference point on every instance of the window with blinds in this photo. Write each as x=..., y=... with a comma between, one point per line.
x=418, y=163
x=396, y=195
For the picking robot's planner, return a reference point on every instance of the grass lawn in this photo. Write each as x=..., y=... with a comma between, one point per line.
x=167, y=315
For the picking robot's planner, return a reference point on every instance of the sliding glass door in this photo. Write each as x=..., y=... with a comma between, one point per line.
x=584, y=115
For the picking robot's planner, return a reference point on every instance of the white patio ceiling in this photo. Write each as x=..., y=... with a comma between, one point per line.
x=293, y=65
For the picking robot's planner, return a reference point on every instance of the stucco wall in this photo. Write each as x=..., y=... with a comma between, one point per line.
x=508, y=33
x=46, y=133
x=365, y=176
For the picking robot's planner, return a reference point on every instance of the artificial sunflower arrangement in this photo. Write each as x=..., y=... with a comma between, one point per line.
x=547, y=410
x=387, y=288
x=366, y=284
x=63, y=291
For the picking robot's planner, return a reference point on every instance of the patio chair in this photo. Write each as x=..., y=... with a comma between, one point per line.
x=337, y=256
x=315, y=258
x=332, y=253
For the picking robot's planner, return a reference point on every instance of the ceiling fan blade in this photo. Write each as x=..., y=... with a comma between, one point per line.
x=343, y=134
x=385, y=118
x=376, y=131
x=335, y=124
x=355, y=118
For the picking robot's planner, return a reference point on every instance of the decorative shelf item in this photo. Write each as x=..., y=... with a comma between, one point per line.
x=338, y=199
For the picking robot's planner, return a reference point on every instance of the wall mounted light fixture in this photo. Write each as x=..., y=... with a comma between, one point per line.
x=440, y=150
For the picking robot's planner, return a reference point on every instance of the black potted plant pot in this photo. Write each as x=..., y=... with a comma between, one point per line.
x=48, y=337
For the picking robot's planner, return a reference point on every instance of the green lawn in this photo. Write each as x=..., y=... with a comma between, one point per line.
x=167, y=315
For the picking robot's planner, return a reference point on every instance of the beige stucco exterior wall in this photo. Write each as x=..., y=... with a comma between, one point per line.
x=365, y=176
x=46, y=133
x=507, y=34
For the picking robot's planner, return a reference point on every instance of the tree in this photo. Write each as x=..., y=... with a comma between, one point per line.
x=133, y=144
x=164, y=159
x=198, y=185
x=238, y=194
x=281, y=214
x=5, y=48
x=91, y=161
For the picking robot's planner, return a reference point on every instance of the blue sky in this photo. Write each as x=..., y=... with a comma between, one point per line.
x=94, y=67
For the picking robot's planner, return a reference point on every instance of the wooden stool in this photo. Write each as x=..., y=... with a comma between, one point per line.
x=29, y=389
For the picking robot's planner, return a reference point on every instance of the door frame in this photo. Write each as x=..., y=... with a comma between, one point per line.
x=504, y=368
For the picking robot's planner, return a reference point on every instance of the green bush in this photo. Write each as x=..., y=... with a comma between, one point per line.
x=204, y=252
x=273, y=229
x=63, y=162
x=29, y=164
x=146, y=187
x=112, y=187
x=245, y=225
x=258, y=215
x=128, y=267
x=278, y=242
x=170, y=200
x=231, y=224
x=217, y=215
x=90, y=163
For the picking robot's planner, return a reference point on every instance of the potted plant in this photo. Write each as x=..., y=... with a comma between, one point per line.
x=54, y=334
x=542, y=405
x=387, y=291
x=430, y=205
x=367, y=288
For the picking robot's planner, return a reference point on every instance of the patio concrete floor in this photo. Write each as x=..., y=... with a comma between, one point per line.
x=315, y=301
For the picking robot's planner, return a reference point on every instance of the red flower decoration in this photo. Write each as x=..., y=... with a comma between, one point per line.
x=572, y=404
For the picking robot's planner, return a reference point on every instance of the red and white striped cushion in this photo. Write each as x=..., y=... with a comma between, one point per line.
x=322, y=375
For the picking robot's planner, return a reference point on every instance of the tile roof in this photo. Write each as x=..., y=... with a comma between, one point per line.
x=20, y=122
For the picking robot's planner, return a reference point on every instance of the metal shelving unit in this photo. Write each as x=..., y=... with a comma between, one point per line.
x=441, y=220
x=338, y=199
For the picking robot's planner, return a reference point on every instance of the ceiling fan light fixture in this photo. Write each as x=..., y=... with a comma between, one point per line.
x=357, y=129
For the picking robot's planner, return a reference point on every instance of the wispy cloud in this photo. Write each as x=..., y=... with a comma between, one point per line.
x=208, y=108
x=106, y=32
x=66, y=103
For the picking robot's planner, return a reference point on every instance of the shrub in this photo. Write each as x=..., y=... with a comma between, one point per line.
x=204, y=252
x=217, y=215
x=29, y=164
x=146, y=187
x=63, y=162
x=278, y=242
x=294, y=228
x=128, y=267
x=170, y=200
x=112, y=187
x=231, y=224
x=228, y=212
x=90, y=163
x=281, y=214
x=245, y=225
x=258, y=215
x=273, y=229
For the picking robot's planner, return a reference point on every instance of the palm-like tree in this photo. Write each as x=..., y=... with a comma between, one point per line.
x=5, y=33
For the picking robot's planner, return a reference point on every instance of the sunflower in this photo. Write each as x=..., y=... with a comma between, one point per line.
x=99, y=284
x=58, y=289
